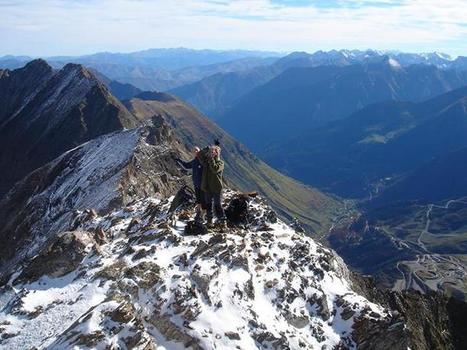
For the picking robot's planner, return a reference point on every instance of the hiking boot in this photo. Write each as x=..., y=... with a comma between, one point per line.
x=222, y=224
x=199, y=218
x=209, y=223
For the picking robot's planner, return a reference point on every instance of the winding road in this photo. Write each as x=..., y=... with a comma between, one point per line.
x=426, y=263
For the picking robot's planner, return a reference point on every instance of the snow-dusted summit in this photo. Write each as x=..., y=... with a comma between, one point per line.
x=133, y=279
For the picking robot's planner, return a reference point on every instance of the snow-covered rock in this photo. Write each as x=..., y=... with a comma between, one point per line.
x=149, y=286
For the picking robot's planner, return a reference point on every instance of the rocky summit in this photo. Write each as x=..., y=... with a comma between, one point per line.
x=134, y=279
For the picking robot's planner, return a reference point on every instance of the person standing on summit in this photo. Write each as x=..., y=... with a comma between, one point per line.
x=212, y=183
x=197, y=175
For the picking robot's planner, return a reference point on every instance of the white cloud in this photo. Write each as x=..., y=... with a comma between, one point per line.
x=49, y=27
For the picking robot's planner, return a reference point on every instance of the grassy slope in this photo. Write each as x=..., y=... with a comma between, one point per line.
x=244, y=171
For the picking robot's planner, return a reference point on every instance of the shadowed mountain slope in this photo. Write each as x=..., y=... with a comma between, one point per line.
x=379, y=141
x=216, y=93
x=45, y=113
x=442, y=178
x=301, y=99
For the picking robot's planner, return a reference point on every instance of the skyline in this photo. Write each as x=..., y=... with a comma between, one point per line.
x=263, y=52
x=64, y=27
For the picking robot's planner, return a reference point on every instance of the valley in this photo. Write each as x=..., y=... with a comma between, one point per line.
x=445, y=272
x=427, y=241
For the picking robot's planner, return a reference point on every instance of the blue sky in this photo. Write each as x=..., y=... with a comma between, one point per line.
x=73, y=27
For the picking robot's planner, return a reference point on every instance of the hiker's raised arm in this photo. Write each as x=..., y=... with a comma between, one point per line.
x=203, y=156
x=216, y=165
x=186, y=165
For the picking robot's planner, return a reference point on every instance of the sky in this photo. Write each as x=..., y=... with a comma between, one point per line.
x=77, y=27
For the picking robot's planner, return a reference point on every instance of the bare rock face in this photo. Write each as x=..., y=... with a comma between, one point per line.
x=431, y=320
x=22, y=85
x=380, y=334
x=62, y=256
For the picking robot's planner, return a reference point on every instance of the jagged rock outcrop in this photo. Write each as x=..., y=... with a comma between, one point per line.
x=60, y=257
x=44, y=113
x=432, y=320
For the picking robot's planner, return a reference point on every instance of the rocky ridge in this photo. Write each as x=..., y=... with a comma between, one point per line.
x=132, y=278
x=45, y=113
x=102, y=174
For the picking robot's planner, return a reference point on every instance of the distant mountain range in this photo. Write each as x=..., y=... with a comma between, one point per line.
x=158, y=69
x=215, y=94
x=122, y=91
x=171, y=58
x=348, y=57
x=305, y=98
x=183, y=70
x=146, y=77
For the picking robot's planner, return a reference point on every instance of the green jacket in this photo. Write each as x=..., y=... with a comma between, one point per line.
x=212, y=171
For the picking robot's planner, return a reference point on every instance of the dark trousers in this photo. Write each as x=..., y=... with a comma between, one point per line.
x=215, y=197
x=200, y=197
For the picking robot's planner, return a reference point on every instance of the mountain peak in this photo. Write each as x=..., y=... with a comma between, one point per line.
x=38, y=63
x=46, y=113
x=80, y=70
x=155, y=96
x=385, y=62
